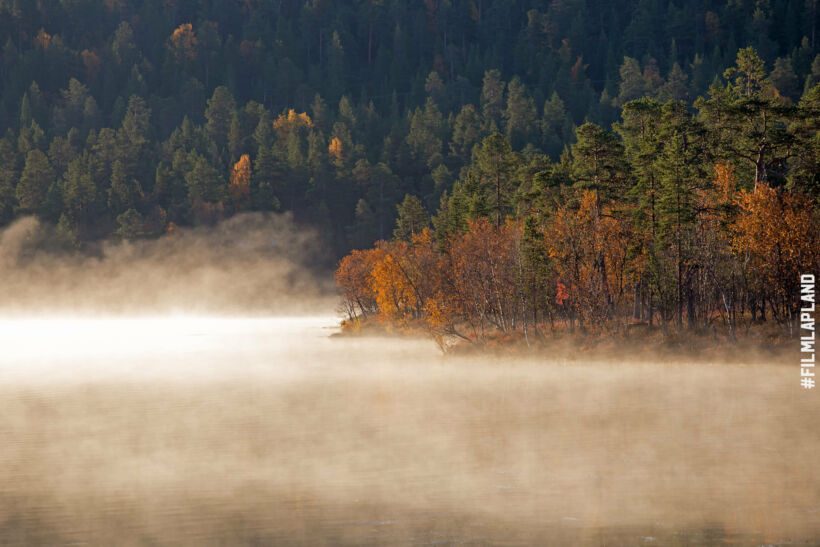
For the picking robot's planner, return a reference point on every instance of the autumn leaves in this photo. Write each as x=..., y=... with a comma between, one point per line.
x=588, y=266
x=468, y=291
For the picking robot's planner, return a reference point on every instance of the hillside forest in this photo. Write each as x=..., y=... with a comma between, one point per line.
x=483, y=166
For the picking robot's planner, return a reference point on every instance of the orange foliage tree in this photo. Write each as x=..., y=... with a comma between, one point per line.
x=484, y=266
x=240, y=185
x=334, y=149
x=590, y=250
x=406, y=278
x=182, y=43
x=353, y=277
x=775, y=234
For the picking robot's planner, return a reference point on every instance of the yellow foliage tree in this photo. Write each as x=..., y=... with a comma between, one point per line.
x=240, y=186
x=725, y=183
x=286, y=123
x=394, y=294
x=406, y=277
x=334, y=149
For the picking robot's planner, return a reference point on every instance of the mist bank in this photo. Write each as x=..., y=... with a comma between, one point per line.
x=272, y=432
x=250, y=264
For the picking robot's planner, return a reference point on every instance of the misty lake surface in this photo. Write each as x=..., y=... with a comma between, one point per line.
x=197, y=430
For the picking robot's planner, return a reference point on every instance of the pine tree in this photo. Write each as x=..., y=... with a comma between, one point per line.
x=492, y=100
x=680, y=170
x=204, y=182
x=8, y=178
x=598, y=162
x=131, y=224
x=424, y=137
x=520, y=116
x=490, y=177
x=219, y=114
x=124, y=192
x=35, y=180
x=467, y=131
x=747, y=122
x=676, y=87
x=80, y=194
x=134, y=136
x=633, y=85
x=412, y=218
x=363, y=231
x=553, y=124
x=784, y=79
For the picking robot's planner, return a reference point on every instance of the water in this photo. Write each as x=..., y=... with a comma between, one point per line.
x=186, y=430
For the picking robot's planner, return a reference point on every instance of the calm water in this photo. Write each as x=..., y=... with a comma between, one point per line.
x=233, y=431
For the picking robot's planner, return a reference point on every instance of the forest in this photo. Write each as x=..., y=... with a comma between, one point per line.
x=689, y=220
x=507, y=164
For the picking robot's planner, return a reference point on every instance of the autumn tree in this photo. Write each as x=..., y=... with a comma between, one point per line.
x=485, y=276
x=405, y=279
x=240, y=185
x=775, y=230
x=353, y=276
x=183, y=43
x=598, y=167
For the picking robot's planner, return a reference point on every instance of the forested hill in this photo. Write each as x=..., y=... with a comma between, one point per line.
x=122, y=118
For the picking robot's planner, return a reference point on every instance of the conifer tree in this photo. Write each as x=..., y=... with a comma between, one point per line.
x=35, y=179
x=412, y=218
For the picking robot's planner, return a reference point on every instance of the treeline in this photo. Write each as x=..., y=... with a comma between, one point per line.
x=125, y=118
x=678, y=218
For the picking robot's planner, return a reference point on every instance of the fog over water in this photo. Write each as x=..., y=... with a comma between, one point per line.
x=250, y=264
x=137, y=424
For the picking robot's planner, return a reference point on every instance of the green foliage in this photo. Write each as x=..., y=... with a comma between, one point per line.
x=598, y=162
x=205, y=183
x=412, y=218
x=130, y=224
x=467, y=132
x=219, y=114
x=35, y=180
x=158, y=100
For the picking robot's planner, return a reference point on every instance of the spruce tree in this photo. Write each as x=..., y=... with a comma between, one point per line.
x=412, y=218
x=35, y=180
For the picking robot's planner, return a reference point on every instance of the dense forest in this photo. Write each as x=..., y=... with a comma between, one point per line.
x=520, y=164
x=122, y=119
x=699, y=219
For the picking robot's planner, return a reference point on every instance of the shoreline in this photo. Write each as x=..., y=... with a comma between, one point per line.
x=637, y=343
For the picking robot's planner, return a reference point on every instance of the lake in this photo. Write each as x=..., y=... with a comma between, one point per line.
x=229, y=430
